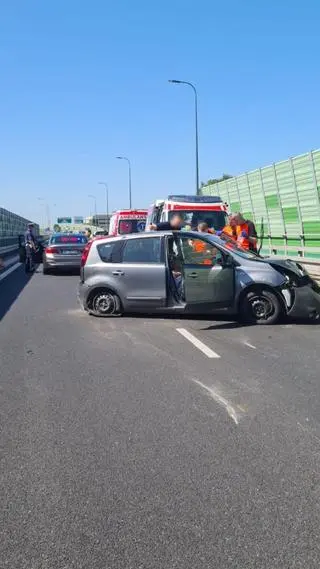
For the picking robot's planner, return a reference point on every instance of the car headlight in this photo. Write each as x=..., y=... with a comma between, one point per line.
x=291, y=280
x=302, y=270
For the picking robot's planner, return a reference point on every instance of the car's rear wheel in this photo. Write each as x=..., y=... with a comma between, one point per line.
x=260, y=306
x=45, y=270
x=105, y=303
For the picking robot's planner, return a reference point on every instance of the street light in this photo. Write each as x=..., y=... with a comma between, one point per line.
x=47, y=208
x=107, y=196
x=95, y=207
x=129, y=164
x=196, y=124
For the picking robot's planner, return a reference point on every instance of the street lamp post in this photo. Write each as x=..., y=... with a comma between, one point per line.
x=95, y=207
x=196, y=125
x=107, y=198
x=47, y=209
x=129, y=164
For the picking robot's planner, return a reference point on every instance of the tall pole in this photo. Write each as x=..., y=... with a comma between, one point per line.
x=95, y=207
x=47, y=217
x=196, y=125
x=130, y=189
x=107, y=194
x=107, y=200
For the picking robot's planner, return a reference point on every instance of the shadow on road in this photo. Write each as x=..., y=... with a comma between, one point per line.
x=63, y=273
x=11, y=287
x=219, y=321
x=224, y=326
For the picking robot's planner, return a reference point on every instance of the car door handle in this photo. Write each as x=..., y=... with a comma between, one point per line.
x=193, y=275
x=118, y=273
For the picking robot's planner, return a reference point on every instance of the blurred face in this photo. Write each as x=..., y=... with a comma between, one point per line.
x=202, y=227
x=176, y=221
x=239, y=219
x=233, y=221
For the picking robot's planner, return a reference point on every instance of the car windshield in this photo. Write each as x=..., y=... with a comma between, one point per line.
x=131, y=226
x=231, y=244
x=66, y=239
x=192, y=217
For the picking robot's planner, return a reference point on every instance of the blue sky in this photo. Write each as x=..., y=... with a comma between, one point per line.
x=82, y=82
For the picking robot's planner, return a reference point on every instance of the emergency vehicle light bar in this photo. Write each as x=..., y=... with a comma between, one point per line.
x=195, y=199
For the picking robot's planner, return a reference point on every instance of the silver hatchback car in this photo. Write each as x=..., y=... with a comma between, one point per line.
x=63, y=251
x=187, y=272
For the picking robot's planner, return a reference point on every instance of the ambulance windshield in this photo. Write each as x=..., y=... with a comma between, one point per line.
x=192, y=217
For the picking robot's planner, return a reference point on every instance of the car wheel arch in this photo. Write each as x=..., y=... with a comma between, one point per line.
x=99, y=288
x=252, y=287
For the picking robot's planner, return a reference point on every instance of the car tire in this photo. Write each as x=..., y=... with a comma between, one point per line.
x=105, y=303
x=260, y=306
x=45, y=270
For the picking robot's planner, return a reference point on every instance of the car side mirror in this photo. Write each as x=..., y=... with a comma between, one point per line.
x=227, y=261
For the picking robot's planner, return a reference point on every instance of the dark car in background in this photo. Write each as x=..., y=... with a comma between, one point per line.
x=63, y=252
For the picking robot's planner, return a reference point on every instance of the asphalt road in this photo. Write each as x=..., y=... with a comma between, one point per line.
x=127, y=444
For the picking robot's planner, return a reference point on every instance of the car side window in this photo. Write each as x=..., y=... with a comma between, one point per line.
x=105, y=251
x=199, y=252
x=144, y=250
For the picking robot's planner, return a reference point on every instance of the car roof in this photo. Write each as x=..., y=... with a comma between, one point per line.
x=66, y=233
x=148, y=234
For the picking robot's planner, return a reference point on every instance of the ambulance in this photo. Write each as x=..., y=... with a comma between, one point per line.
x=124, y=221
x=193, y=210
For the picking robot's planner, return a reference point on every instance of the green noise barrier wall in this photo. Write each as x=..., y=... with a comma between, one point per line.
x=286, y=195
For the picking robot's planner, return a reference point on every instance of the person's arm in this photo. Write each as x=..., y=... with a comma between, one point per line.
x=162, y=226
x=252, y=234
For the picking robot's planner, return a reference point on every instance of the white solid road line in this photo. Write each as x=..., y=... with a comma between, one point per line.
x=200, y=345
x=221, y=400
x=9, y=270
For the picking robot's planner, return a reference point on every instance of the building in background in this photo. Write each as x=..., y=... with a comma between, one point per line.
x=78, y=220
x=11, y=226
x=99, y=220
x=285, y=197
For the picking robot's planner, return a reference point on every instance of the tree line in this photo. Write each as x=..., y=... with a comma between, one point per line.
x=216, y=180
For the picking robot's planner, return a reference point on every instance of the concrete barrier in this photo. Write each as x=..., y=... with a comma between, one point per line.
x=7, y=251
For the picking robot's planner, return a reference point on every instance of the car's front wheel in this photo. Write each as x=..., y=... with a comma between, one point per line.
x=105, y=303
x=260, y=306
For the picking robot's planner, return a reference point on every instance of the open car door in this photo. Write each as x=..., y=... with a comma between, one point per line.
x=208, y=277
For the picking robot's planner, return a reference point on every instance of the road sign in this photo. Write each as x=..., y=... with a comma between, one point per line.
x=78, y=219
x=64, y=220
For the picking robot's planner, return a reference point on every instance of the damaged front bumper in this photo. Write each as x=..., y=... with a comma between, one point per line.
x=303, y=301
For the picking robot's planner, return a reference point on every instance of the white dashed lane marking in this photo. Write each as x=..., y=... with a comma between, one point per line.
x=197, y=343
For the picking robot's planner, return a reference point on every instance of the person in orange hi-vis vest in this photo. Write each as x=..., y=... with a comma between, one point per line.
x=230, y=229
x=242, y=231
x=197, y=245
x=246, y=233
x=200, y=246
